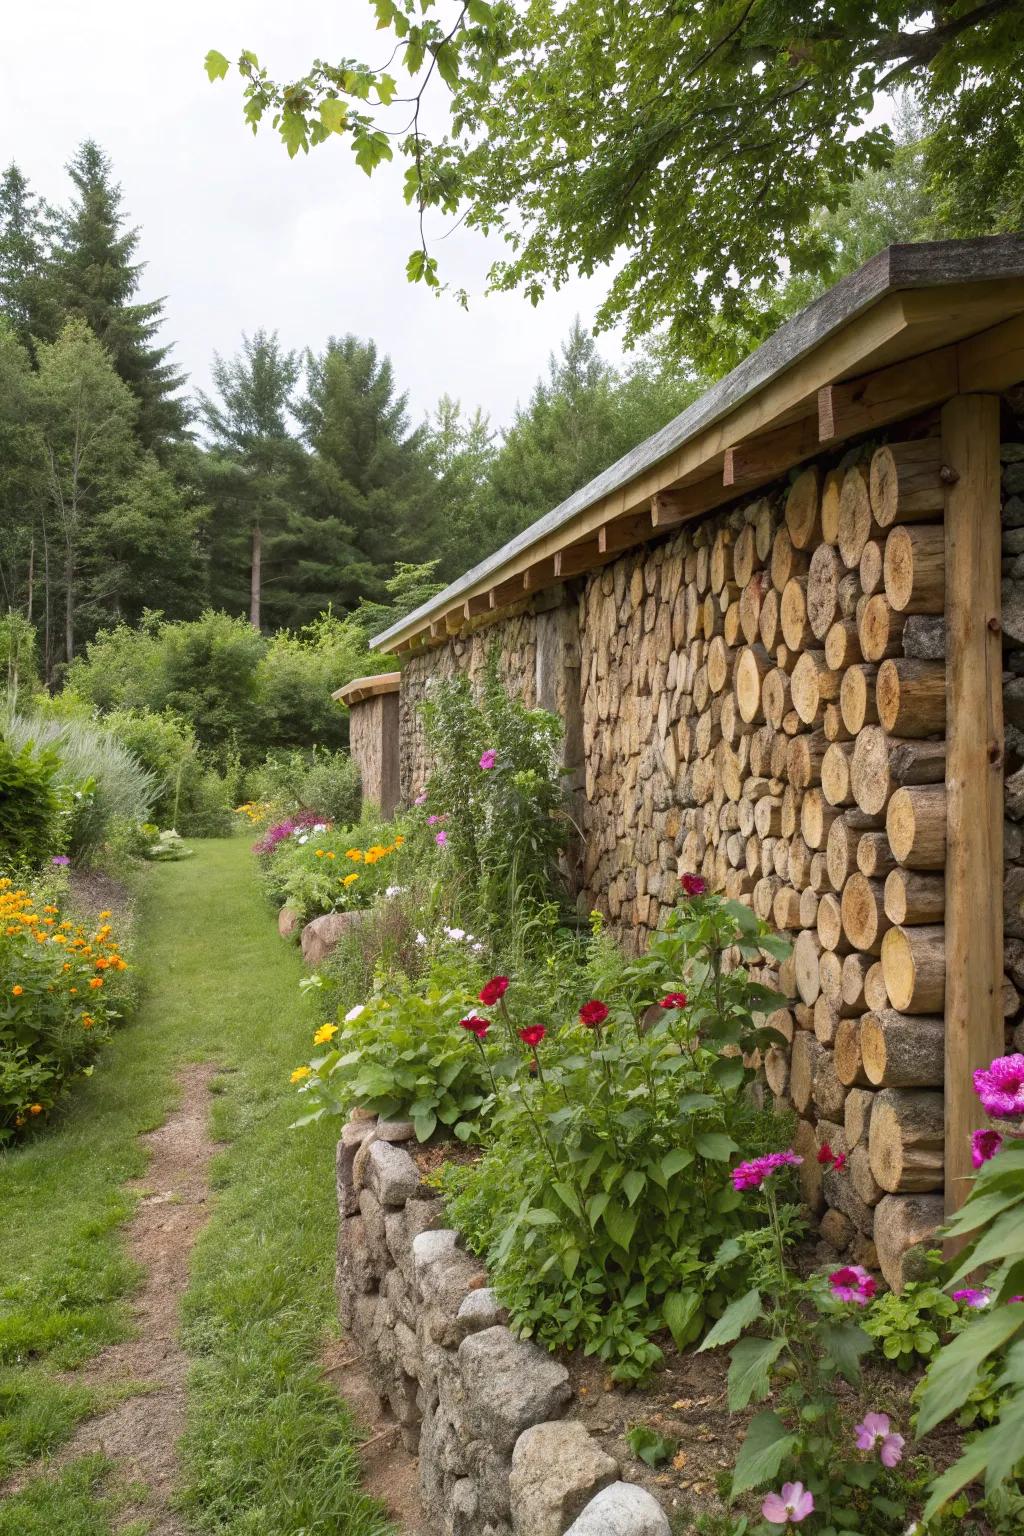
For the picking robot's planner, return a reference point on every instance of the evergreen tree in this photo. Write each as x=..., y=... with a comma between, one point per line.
x=22, y=488
x=97, y=278
x=252, y=470
x=371, y=498
x=28, y=298
x=462, y=449
x=87, y=418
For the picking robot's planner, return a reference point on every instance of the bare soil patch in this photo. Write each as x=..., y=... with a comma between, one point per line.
x=140, y=1434
x=390, y=1472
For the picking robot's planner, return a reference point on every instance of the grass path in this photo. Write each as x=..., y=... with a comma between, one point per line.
x=268, y=1449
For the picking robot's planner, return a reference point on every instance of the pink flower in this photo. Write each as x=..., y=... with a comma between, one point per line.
x=753, y=1174
x=441, y=839
x=593, y=1013
x=1000, y=1087
x=532, y=1035
x=984, y=1145
x=421, y=799
x=794, y=1503
x=673, y=1000
x=488, y=758
x=61, y=860
x=972, y=1298
x=873, y=1433
x=475, y=1025
x=693, y=885
x=853, y=1283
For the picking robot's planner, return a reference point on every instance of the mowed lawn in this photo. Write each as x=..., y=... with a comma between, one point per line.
x=269, y=1449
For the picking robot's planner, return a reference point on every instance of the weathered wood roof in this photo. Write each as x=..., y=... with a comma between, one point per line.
x=361, y=688
x=915, y=325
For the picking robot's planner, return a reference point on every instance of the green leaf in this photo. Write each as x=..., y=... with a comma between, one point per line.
x=649, y=1445
x=333, y=114
x=540, y=1216
x=995, y=1452
x=716, y=1146
x=843, y=1345
x=567, y=1195
x=424, y=1125
x=953, y=1373
x=621, y=1224
x=679, y=1309
x=737, y=1316
x=728, y=1072
x=633, y=1185
x=750, y=1370
x=765, y=1447
x=675, y=1161
x=216, y=65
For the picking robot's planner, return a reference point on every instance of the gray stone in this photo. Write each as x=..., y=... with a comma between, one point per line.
x=443, y=1282
x=1013, y=902
x=1013, y=795
x=480, y=1310
x=391, y=1173
x=1011, y=453
x=352, y=1137
x=623, y=1509
x=354, y=1255
x=323, y=935
x=556, y=1470
x=1013, y=541
x=1013, y=512
x=396, y=1130
x=288, y=921
x=462, y=1508
x=372, y=1213
x=1013, y=479
x=924, y=638
x=510, y=1384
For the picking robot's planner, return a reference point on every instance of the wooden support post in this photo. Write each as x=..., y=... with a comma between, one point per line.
x=974, y=770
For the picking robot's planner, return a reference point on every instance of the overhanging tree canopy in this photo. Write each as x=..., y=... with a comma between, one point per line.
x=677, y=145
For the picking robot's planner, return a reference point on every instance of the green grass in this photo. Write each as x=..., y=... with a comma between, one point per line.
x=268, y=1449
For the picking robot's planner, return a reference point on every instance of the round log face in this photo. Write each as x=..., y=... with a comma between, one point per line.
x=803, y=508
x=906, y=483
x=822, y=590
x=914, y=968
x=855, y=519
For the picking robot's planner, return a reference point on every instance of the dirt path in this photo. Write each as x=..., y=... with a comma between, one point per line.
x=140, y=1434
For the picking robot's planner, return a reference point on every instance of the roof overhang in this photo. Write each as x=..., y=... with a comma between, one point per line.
x=361, y=688
x=914, y=326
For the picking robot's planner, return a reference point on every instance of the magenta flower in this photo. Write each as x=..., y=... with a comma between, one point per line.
x=753, y=1174
x=441, y=839
x=984, y=1145
x=973, y=1298
x=1000, y=1087
x=421, y=799
x=693, y=885
x=61, y=860
x=794, y=1503
x=853, y=1283
x=489, y=758
x=874, y=1434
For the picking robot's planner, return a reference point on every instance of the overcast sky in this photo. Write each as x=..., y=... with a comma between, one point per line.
x=234, y=233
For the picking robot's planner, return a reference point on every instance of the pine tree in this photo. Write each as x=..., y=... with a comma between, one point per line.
x=251, y=470
x=28, y=298
x=22, y=488
x=97, y=278
x=462, y=450
x=371, y=496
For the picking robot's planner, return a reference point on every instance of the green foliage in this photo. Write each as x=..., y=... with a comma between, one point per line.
x=314, y=868
x=189, y=796
x=18, y=670
x=651, y=1447
x=61, y=994
x=502, y=827
x=603, y=1195
x=317, y=780
x=909, y=1327
x=403, y=1056
x=29, y=806
x=407, y=590
x=991, y=1345
x=103, y=784
x=673, y=192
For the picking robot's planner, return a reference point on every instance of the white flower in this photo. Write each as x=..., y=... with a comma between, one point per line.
x=304, y=838
x=421, y=940
x=320, y=826
x=478, y=948
x=354, y=1013
x=394, y=890
x=458, y=934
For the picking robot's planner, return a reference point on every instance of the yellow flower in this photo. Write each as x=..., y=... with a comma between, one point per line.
x=399, y=841
x=300, y=1073
x=349, y=879
x=16, y=991
x=319, y=852
x=96, y=983
x=87, y=1021
x=330, y=853
x=324, y=1033
x=355, y=854
x=35, y=1109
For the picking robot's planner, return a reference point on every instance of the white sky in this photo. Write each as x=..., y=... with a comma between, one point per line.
x=234, y=233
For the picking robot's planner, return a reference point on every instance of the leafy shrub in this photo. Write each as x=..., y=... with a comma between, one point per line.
x=29, y=807
x=61, y=992
x=314, y=868
x=103, y=783
x=497, y=792
x=191, y=796
x=321, y=781
x=402, y=1055
x=604, y=1196
x=909, y=1327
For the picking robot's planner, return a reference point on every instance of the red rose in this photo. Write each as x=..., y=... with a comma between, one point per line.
x=493, y=990
x=673, y=1000
x=593, y=1013
x=826, y=1156
x=532, y=1035
x=693, y=885
x=824, y=1153
x=475, y=1025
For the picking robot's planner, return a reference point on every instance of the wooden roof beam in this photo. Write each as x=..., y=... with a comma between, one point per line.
x=764, y=458
x=540, y=574
x=864, y=404
x=623, y=533
x=671, y=508
x=473, y=606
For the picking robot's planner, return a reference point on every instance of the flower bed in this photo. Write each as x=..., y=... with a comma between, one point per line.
x=61, y=994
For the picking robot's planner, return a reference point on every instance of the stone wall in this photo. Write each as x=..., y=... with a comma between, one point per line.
x=489, y=1415
x=761, y=699
x=373, y=742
